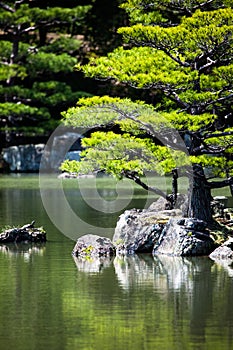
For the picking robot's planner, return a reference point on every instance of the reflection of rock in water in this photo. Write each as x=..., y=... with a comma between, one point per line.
x=134, y=269
x=92, y=265
x=227, y=264
x=179, y=271
x=161, y=272
x=25, y=250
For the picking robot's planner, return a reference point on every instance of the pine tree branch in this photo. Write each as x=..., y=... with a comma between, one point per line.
x=138, y=181
x=175, y=97
x=220, y=134
x=220, y=184
x=6, y=7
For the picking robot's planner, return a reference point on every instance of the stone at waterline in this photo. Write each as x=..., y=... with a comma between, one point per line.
x=27, y=233
x=138, y=230
x=184, y=237
x=157, y=231
x=93, y=246
x=224, y=251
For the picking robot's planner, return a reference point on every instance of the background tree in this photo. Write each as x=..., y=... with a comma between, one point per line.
x=40, y=44
x=183, y=50
x=102, y=22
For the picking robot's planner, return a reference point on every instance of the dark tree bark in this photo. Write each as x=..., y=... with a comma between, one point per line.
x=199, y=196
x=174, y=186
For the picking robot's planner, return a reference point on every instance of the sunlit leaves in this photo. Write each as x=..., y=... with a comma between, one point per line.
x=157, y=12
x=117, y=154
x=141, y=67
x=185, y=122
x=183, y=49
x=17, y=110
x=204, y=31
x=14, y=70
x=94, y=111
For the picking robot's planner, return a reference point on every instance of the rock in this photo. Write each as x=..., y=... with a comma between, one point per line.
x=161, y=203
x=93, y=246
x=137, y=231
x=67, y=175
x=27, y=233
x=73, y=155
x=218, y=205
x=184, y=237
x=35, y=157
x=158, y=205
x=23, y=158
x=155, y=231
x=225, y=251
x=194, y=224
x=64, y=146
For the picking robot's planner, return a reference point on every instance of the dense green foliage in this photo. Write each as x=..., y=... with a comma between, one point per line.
x=39, y=48
x=180, y=51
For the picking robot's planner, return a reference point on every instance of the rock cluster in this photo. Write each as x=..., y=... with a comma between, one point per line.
x=26, y=233
x=155, y=231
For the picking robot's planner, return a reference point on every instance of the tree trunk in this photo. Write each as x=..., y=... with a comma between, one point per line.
x=199, y=197
x=228, y=175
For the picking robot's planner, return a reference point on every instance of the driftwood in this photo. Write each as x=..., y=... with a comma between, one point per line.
x=27, y=233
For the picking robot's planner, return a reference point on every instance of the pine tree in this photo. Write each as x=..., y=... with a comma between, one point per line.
x=180, y=51
x=39, y=48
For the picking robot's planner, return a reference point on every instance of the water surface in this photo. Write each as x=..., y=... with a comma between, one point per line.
x=49, y=300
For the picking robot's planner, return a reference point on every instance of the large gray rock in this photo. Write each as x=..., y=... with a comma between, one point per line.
x=184, y=237
x=64, y=146
x=32, y=158
x=93, y=246
x=137, y=231
x=23, y=158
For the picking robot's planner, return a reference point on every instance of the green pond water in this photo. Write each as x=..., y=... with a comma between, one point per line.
x=49, y=300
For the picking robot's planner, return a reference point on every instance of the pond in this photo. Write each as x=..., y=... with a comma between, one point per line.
x=49, y=300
